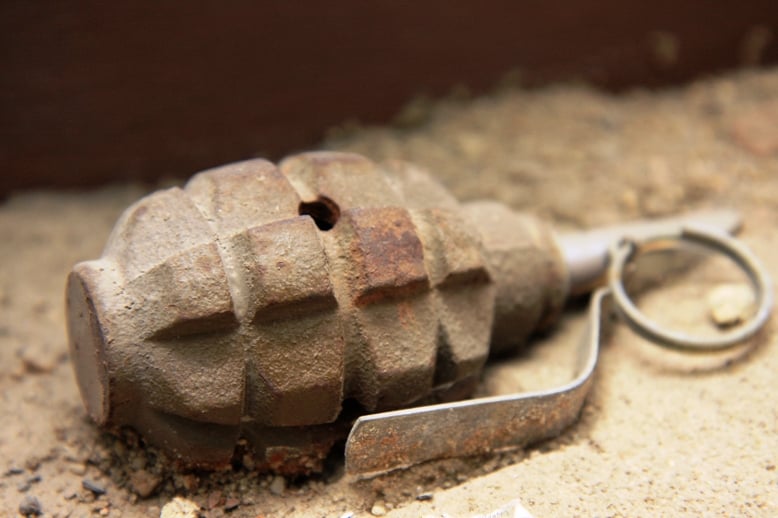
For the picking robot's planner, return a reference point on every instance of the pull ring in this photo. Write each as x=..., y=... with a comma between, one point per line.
x=623, y=252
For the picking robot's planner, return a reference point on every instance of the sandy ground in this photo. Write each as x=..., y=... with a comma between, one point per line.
x=661, y=434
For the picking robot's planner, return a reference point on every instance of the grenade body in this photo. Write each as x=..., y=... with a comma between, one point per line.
x=249, y=306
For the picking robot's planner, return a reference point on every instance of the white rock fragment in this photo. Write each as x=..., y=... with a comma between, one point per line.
x=730, y=304
x=180, y=507
x=278, y=485
x=378, y=509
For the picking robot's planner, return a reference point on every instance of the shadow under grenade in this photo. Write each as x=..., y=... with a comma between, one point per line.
x=247, y=307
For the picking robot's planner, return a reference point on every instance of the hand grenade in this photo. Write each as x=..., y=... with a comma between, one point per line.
x=267, y=306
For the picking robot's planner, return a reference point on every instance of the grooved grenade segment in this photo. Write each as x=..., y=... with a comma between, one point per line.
x=248, y=306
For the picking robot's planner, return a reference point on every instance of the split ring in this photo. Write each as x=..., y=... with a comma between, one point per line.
x=626, y=250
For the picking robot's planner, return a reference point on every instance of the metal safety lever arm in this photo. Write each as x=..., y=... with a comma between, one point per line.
x=391, y=440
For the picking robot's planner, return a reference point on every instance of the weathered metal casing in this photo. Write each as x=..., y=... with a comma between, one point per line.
x=255, y=301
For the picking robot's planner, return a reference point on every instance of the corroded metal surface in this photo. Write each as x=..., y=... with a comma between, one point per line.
x=249, y=305
x=405, y=437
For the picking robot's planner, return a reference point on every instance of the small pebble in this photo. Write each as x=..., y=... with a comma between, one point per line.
x=378, y=509
x=730, y=304
x=30, y=506
x=144, y=483
x=424, y=497
x=278, y=485
x=214, y=499
x=248, y=462
x=231, y=504
x=189, y=482
x=94, y=487
x=630, y=200
x=34, y=363
x=78, y=469
x=14, y=471
x=180, y=507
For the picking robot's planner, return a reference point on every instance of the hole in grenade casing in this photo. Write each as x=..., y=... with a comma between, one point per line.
x=323, y=211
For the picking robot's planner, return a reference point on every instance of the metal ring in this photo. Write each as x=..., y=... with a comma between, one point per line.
x=623, y=252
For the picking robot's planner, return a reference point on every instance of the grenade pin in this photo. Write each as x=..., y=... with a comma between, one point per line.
x=260, y=309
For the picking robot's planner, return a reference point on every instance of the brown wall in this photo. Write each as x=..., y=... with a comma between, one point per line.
x=92, y=92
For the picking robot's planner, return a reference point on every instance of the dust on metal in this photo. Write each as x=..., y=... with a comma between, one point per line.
x=251, y=303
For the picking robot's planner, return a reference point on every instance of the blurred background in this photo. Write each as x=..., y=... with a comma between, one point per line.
x=94, y=93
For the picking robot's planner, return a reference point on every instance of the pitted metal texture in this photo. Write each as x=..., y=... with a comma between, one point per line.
x=251, y=304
